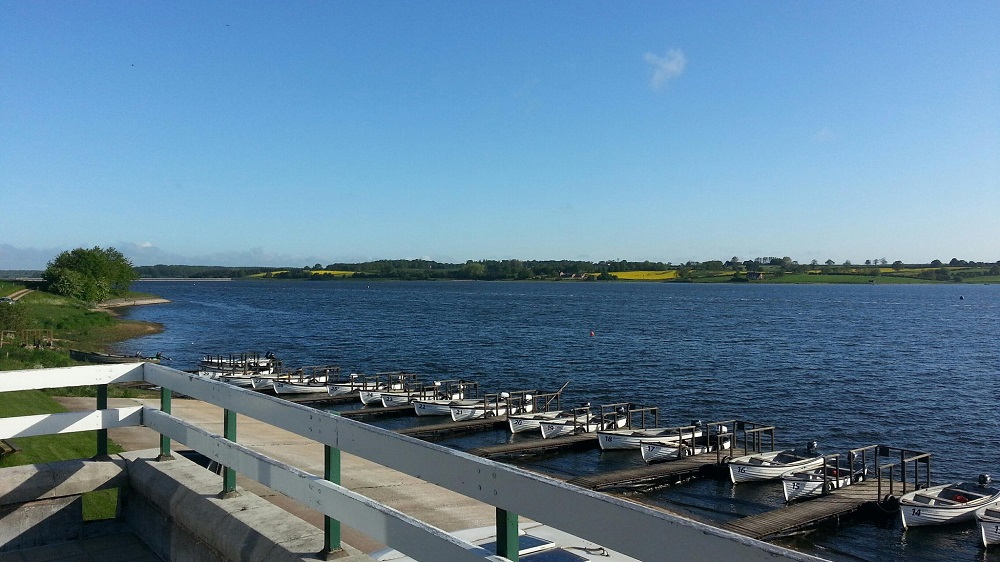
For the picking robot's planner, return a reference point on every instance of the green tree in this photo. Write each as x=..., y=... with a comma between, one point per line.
x=90, y=275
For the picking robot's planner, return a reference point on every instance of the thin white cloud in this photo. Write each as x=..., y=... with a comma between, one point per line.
x=665, y=67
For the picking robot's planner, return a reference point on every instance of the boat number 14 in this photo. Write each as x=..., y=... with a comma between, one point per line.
x=915, y=512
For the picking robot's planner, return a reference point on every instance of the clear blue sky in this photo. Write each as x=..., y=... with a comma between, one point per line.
x=274, y=133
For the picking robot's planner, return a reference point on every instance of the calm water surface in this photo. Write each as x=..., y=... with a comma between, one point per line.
x=902, y=365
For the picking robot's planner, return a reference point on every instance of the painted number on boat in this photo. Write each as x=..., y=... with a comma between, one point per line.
x=517, y=421
x=742, y=469
x=915, y=512
x=796, y=485
x=608, y=438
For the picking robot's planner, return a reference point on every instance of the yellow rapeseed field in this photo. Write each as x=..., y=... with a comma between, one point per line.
x=646, y=275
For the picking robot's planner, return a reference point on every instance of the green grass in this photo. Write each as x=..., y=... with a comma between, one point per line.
x=102, y=504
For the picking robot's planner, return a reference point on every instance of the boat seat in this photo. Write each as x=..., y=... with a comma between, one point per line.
x=936, y=499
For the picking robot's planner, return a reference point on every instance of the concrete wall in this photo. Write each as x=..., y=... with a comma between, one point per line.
x=41, y=504
x=173, y=506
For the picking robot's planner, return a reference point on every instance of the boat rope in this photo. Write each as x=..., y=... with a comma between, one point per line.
x=592, y=550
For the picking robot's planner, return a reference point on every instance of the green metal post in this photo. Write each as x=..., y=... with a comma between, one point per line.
x=229, y=474
x=507, y=543
x=102, y=434
x=331, y=527
x=165, y=396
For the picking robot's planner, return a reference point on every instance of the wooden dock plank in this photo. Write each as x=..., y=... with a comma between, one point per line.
x=809, y=512
x=536, y=446
x=454, y=427
x=404, y=410
x=680, y=468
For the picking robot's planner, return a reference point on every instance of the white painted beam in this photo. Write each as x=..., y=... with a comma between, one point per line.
x=84, y=375
x=69, y=422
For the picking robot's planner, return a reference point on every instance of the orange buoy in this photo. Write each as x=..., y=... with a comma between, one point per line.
x=591, y=333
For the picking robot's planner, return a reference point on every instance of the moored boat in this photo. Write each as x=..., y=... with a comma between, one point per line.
x=249, y=363
x=671, y=448
x=583, y=420
x=531, y=421
x=988, y=519
x=803, y=484
x=373, y=386
x=448, y=394
x=947, y=503
x=439, y=390
x=305, y=380
x=502, y=404
x=771, y=465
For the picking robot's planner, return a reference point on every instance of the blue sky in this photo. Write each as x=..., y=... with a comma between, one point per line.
x=246, y=133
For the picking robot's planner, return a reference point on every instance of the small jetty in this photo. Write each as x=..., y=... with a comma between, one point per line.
x=890, y=476
x=421, y=431
x=536, y=446
x=404, y=410
x=703, y=464
x=793, y=517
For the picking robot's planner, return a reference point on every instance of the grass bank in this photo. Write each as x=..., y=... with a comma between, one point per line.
x=48, y=326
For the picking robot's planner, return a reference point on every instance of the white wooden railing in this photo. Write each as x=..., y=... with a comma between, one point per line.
x=637, y=531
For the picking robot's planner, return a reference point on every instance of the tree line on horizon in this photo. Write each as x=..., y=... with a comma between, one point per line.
x=553, y=269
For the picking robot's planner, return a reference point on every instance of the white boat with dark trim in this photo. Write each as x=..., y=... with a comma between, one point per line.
x=305, y=380
x=250, y=363
x=771, y=465
x=803, y=484
x=502, y=404
x=583, y=420
x=354, y=383
x=438, y=390
x=947, y=503
x=531, y=421
x=671, y=448
x=373, y=386
x=988, y=519
x=449, y=393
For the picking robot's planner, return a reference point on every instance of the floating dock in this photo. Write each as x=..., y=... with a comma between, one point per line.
x=404, y=410
x=783, y=520
x=421, y=431
x=536, y=446
x=673, y=471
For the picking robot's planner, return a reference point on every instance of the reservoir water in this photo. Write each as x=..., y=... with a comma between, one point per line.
x=909, y=366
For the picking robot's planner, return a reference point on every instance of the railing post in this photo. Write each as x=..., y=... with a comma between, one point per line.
x=102, y=434
x=507, y=540
x=331, y=527
x=229, y=474
x=165, y=396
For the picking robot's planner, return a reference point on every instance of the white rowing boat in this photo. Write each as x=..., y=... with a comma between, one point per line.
x=771, y=465
x=988, y=519
x=530, y=421
x=947, y=503
x=491, y=405
x=671, y=448
x=305, y=380
x=373, y=386
x=803, y=484
x=583, y=420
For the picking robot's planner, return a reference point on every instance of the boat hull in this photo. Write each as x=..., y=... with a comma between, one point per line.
x=798, y=485
x=925, y=507
x=631, y=439
x=762, y=467
x=520, y=423
x=282, y=387
x=988, y=519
